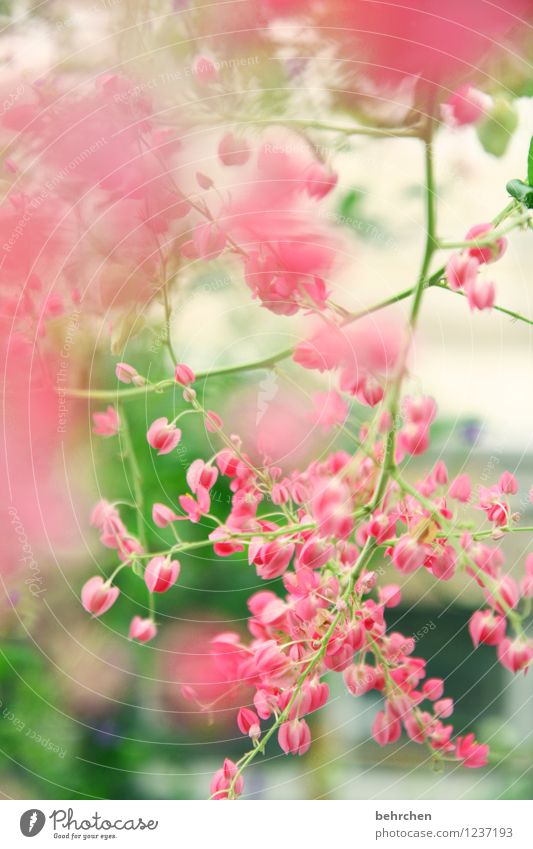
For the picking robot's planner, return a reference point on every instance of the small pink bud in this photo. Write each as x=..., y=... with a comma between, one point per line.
x=106, y=423
x=485, y=253
x=162, y=515
x=233, y=150
x=508, y=484
x=319, y=181
x=204, y=70
x=142, y=630
x=213, y=422
x=461, y=489
x=127, y=374
x=184, y=375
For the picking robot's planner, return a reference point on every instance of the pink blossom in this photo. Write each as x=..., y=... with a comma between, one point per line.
x=184, y=374
x=515, y=654
x=213, y=422
x=473, y=755
x=200, y=474
x=197, y=507
x=248, y=723
x=106, y=423
x=481, y=295
x=390, y=595
x=486, y=627
x=461, y=271
x=433, y=688
x=443, y=708
x=408, y=555
x=485, y=253
x=163, y=436
x=508, y=483
x=98, y=596
x=162, y=515
x=142, y=630
x=161, y=573
x=467, y=105
x=461, y=489
x=319, y=181
x=204, y=70
x=223, y=780
x=233, y=150
x=386, y=729
x=294, y=736
x=128, y=374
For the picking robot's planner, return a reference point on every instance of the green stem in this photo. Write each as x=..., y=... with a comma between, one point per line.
x=362, y=560
x=489, y=239
x=511, y=313
x=126, y=446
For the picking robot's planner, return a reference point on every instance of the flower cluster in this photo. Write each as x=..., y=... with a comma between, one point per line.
x=329, y=527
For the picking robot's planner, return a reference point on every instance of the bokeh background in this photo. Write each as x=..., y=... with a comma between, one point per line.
x=84, y=713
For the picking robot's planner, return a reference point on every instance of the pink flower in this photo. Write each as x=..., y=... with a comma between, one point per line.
x=390, y=595
x=184, y=374
x=142, y=630
x=163, y=436
x=271, y=559
x=213, y=422
x=360, y=678
x=481, y=295
x=433, y=688
x=161, y=574
x=107, y=423
x=319, y=181
x=204, y=70
x=98, y=596
x=443, y=708
x=233, y=150
x=461, y=489
x=408, y=554
x=461, y=271
x=162, y=515
x=515, y=654
x=485, y=253
x=386, y=729
x=472, y=754
x=223, y=779
x=294, y=736
x=486, y=627
x=508, y=483
x=467, y=105
x=248, y=723
x=195, y=508
x=200, y=474
x=127, y=374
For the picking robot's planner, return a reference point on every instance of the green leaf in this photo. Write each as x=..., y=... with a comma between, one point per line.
x=521, y=191
x=530, y=163
x=496, y=131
